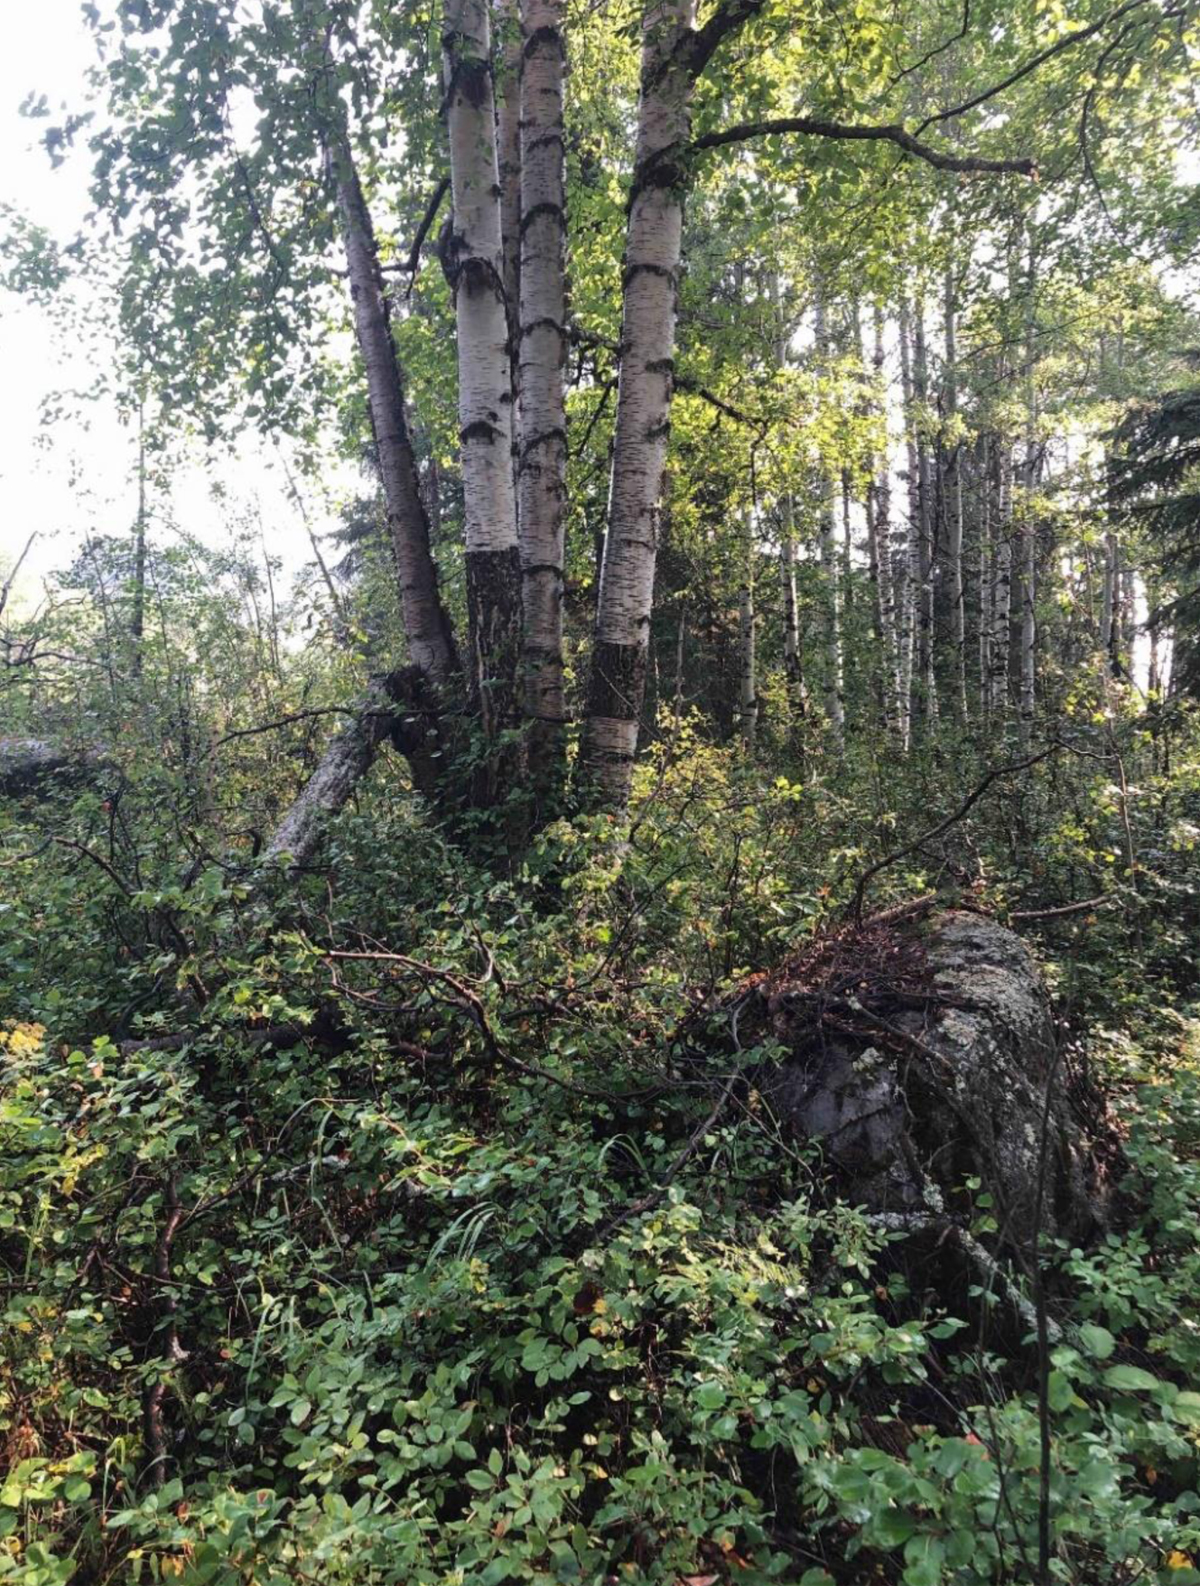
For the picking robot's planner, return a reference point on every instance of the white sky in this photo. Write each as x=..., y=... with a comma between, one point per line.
x=77, y=476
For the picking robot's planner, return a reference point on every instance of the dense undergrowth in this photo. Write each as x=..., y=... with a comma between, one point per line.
x=479, y=1270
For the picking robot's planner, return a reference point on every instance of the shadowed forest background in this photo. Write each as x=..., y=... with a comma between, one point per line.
x=637, y=1018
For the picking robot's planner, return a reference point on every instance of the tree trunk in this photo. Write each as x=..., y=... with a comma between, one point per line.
x=954, y=514
x=983, y=499
x=793, y=668
x=508, y=160
x=880, y=529
x=747, y=658
x=927, y=692
x=1001, y=582
x=834, y=680
x=911, y=1098
x=475, y=262
x=137, y=615
x=912, y=551
x=1029, y=471
x=542, y=454
x=426, y=625
x=654, y=237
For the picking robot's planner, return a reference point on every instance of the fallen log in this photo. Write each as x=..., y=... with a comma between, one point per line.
x=920, y=1056
x=26, y=763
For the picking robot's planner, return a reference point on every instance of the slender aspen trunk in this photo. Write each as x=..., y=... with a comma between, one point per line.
x=680, y=651
x=913, y=657
x=137, y=615
x=881, y=527
x=1154, y=675
x=1029, y=471
x=834, y=680
x=847, y=541
x=983, y=496
x=926, y=519
x=1110, y=638
x=542, y=430
x=747, y=658
x=653, y=245
x=426, y=624
x=792, y=661
x=1128, y=616
x=485, y=406
x=953, y=485
x=1002, y=582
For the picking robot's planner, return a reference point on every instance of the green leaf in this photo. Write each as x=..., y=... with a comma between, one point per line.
x=1130, y=1379
x=710, y=1395
x=1097, y=1341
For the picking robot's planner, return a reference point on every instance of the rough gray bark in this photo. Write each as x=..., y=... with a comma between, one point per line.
x=915, y=1087
x=27, y=763
x=426, y=624
x=400, y=707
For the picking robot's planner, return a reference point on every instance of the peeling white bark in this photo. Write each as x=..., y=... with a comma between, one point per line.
x=475, y=258
x=653, y=246
x=542, y=434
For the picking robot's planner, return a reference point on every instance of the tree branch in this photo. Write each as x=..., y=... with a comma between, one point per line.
x=744, y=131
x=696, y=48
x=1040, y=59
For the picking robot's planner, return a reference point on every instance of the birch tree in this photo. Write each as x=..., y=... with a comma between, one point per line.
x=475, y=264
x=543, y=349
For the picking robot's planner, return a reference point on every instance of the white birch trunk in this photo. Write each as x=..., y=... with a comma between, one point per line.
x=508, y=156
x=485, y=408
x=654, y=238
x=542, y=430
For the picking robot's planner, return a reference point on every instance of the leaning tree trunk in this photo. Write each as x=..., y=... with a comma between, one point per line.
x=653, y=246
x=542, y=449
x=426, y=624
x=475, y=264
